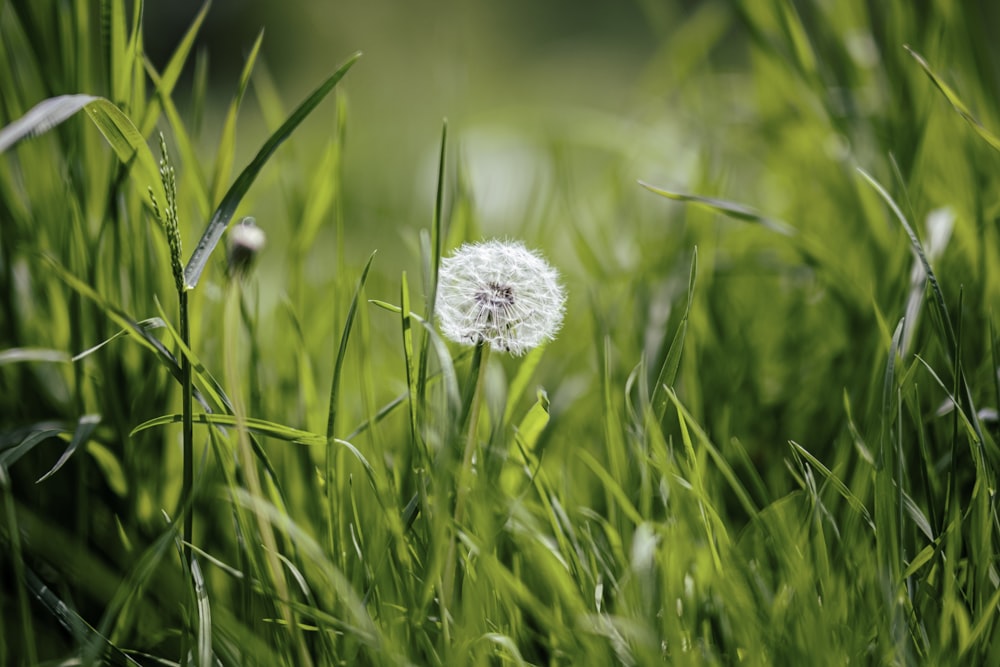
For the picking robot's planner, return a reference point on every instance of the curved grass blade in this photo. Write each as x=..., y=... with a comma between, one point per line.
x=227, y=143
x=668, y=372
x=17, y=355
x=411, y=379
x=42, y=117
x=727, y=208
x=432, y=263
x=227, y=208
x=942, y=312
x=84, y=428
x=69, y=619
x=447, y=372
x=856, y=503
x=261, y=426
x=172, y=72
x=26, y=439
x=150, y=323
x=134, y=585
x=204, y=631
x=118, y=130
x=127, y=142
x=955, y=101
x=120, y=318
x=342, y=349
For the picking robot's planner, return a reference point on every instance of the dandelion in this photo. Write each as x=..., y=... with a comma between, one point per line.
x=246, y=239
x=500, y=293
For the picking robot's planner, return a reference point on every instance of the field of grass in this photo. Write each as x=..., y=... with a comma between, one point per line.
x=766, y=434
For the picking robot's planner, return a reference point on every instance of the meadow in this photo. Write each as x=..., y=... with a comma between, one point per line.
x=762, y=430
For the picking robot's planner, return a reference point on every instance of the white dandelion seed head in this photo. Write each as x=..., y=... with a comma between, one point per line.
x=246, y=239
x=501, y=293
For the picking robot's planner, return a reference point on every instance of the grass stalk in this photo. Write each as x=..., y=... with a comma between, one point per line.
x=187, y=430
x=463, y=482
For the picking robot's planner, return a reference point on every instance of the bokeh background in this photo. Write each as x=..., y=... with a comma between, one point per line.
x=518, y=82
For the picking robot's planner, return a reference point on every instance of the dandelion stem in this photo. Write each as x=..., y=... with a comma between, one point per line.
x=480, y=361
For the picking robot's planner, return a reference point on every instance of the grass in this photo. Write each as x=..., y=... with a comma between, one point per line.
x=766, y=435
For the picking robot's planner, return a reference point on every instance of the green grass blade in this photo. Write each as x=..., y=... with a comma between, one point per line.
x=448, y=375
x=965, y=400
x=611, y=486
x=15, y=445
x=118, y=130
x=856, y=503
x=227, y=208
x=409, y=364
x=203, y=632
x=127, y=143
x=42, y=117
x=226, y=149
x=119, y=317
x=81, y=631
x=955, y=100
x=27, y=354
x=113, y=21
x=432, y=261
x=15, y=552
x=530, y=429
x=261, y=426
x=172, y=72
x=345, y=337
x=727, y=208
x=147, y=324
x=84, y=429
x=525, y=371
x=668, y=372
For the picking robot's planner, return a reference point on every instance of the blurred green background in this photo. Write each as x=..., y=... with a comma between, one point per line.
x=514, y=79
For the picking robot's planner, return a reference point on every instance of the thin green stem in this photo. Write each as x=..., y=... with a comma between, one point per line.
x=187, y=429
x=480, y=361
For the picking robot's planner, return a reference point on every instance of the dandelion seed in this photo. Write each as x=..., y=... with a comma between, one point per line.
x=501, y=293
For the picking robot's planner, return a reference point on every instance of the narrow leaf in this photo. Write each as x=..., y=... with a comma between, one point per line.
x=42, y=117
x=172, y=72
x=955, y=101
x=342, y=350
x=227, y=208
x=727, y=208
x=261, y=426
x=84, y=427
x=22, y=354
x=668, y=372
x=227, y=142
x=837, y=483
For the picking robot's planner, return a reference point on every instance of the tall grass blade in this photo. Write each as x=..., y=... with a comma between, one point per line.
x=204, y=629
x=727, y=208
x=668, y=372
x=172, y=72
x=42, y=117
x=227, y=207
x=84, y=429
x=345, y=337
x=227, y=143
x=964, y=399
x=955, y=101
